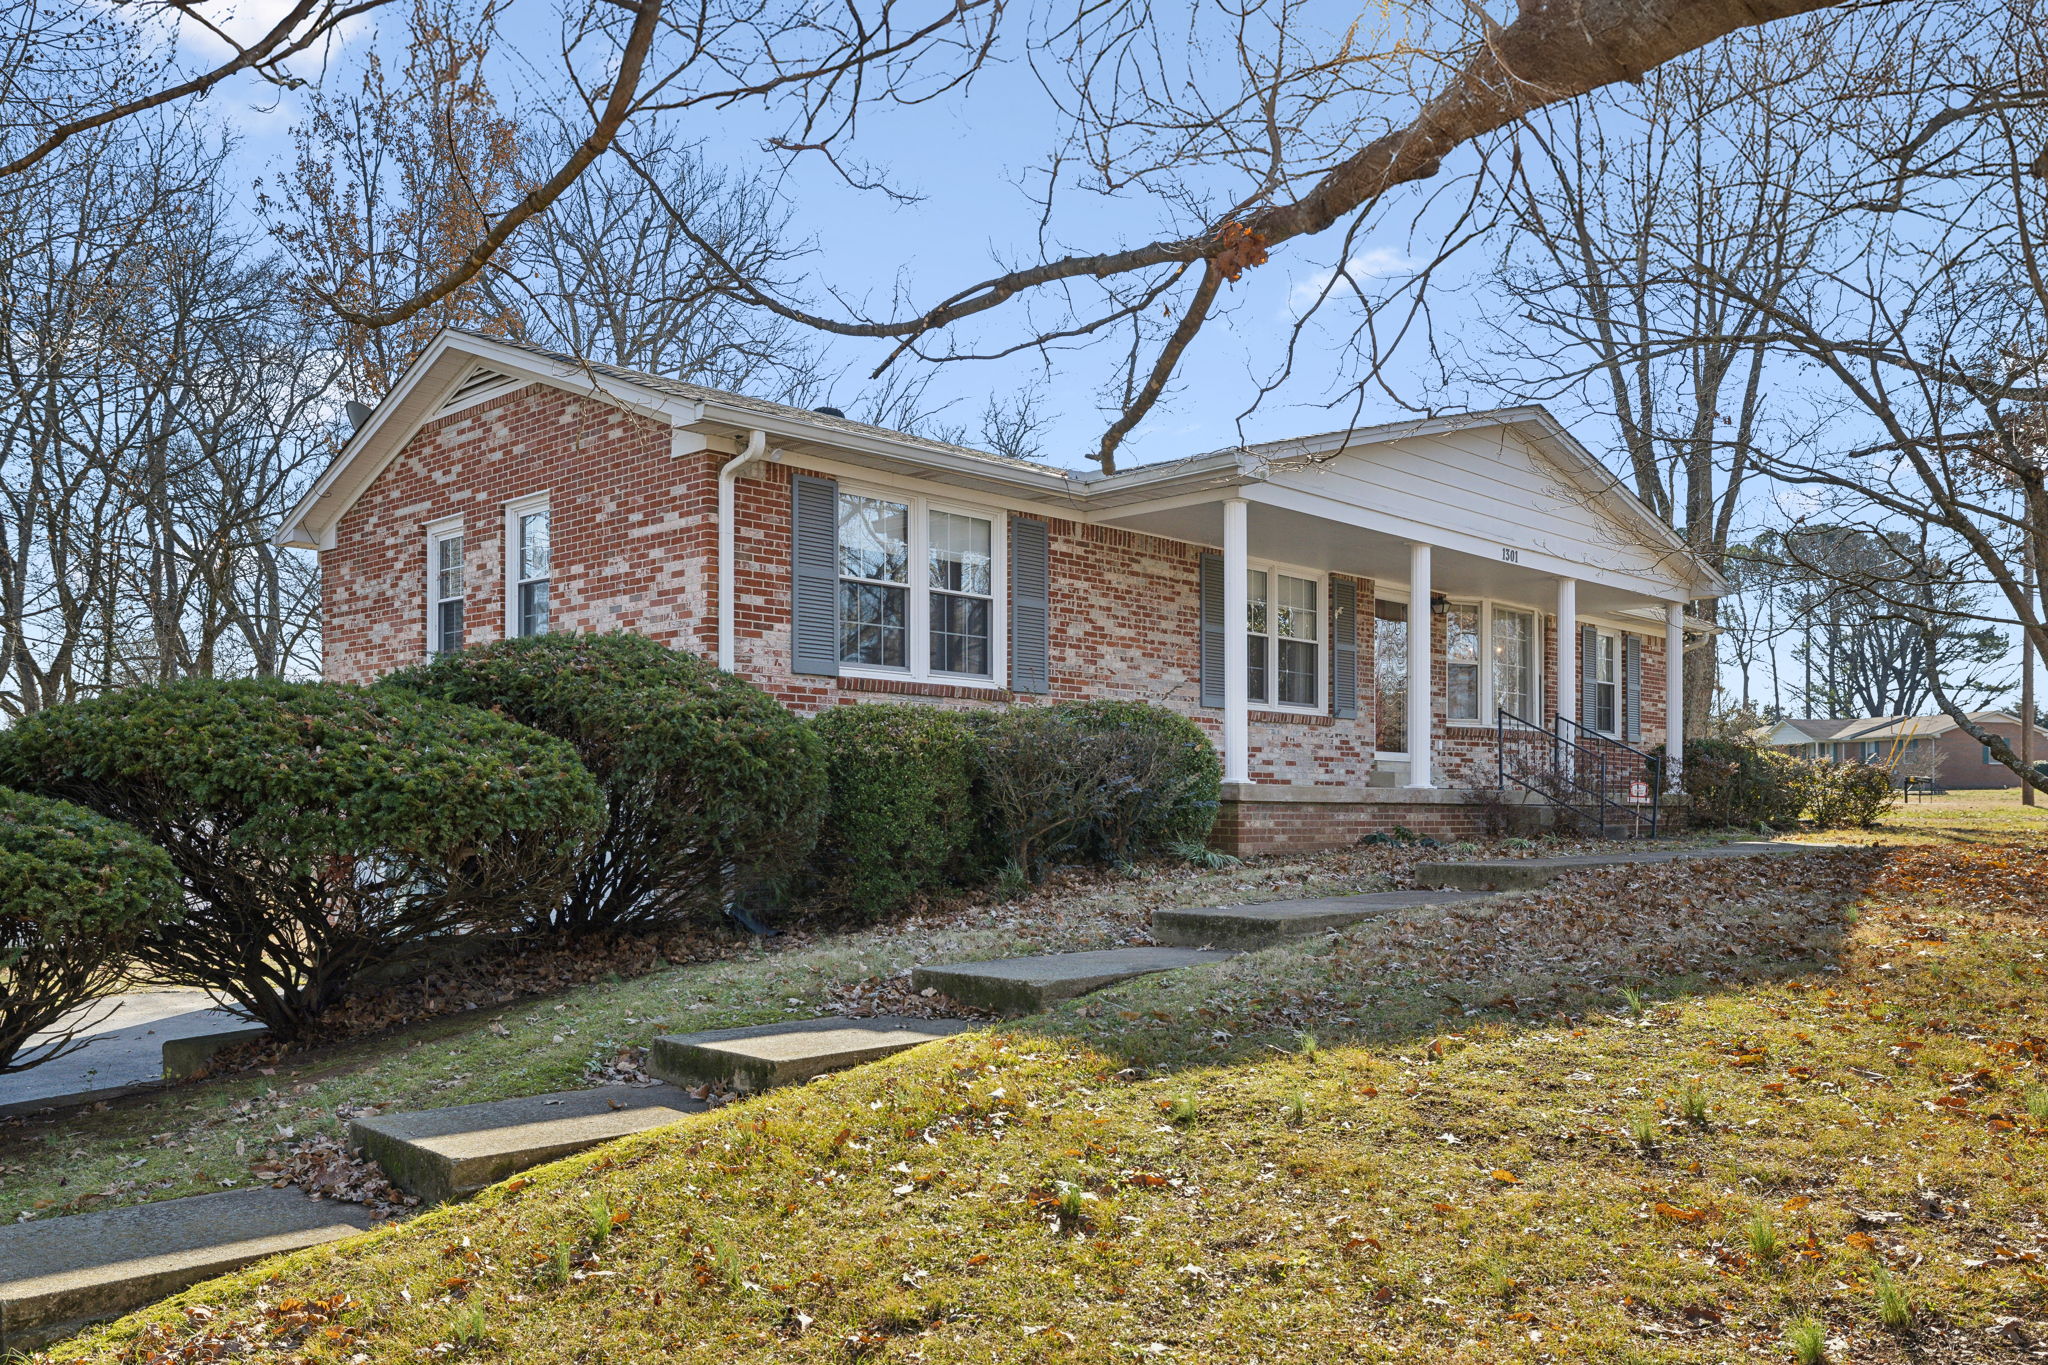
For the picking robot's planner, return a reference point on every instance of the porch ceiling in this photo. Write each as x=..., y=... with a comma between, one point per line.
x=1290, y=537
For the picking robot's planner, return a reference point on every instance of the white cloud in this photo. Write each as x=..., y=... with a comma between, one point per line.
x=1374, y=263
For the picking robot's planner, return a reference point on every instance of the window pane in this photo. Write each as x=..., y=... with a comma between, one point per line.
x=1255, y=602
x=1514, y=666
x=871, y=624
x=448, y=566
x=1298, y=673
x=533, y=545
x=1461, y=633
x=874, y=539
x=1603, y=706
x=1390, y=676
x=448, y=626
x=533, y=608
x=959, y=634
x=960, y=553
x=1463, y=684
x=1255, y=668
x=1297, y=608
x=1603, y=654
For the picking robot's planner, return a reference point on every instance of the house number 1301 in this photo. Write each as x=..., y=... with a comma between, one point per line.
x=1511, y=556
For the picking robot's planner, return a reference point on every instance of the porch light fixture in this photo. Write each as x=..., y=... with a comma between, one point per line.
x=1439, y=605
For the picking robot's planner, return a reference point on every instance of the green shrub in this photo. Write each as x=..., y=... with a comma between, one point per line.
x=712, y=788
x=1161, y=779
x=75, y=891
x=319, y=830
x=1849, y=795
x=902, y=817
x=1040, y=784
x=1730, y=782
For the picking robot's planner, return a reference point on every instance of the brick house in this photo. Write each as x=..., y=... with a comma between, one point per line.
x=1928, y=747
x=501, y=489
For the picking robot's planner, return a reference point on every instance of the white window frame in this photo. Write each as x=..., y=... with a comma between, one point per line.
x=1321, y=579
x=514, y=510
x=1539, y=680
x=1592, y=666
x=1402, y=599
x=918, y=612
x=436, y=532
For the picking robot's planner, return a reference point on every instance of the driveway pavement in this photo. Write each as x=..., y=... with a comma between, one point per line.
x=124, y=1049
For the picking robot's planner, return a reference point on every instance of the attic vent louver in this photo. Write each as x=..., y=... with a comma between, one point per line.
x=481, y=380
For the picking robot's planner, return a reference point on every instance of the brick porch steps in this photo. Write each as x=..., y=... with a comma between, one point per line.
x=1263, y=925
x=1530, y=874
x=766, y=1055
x=60, y=1274
x=442, y=1154
x=1025, y=985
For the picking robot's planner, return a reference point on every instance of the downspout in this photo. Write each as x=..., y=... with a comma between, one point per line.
x=728, y=475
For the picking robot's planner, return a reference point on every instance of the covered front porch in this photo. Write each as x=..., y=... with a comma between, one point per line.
x=1405, y=600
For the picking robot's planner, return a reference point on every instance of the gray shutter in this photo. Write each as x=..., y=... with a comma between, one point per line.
x=814, y=575
x=1589, y=676
x=1212, y=629
x=1030, y=606
x=1632, y=681
x=1343, y=648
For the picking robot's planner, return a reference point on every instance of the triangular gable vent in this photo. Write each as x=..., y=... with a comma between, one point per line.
x=481, y=381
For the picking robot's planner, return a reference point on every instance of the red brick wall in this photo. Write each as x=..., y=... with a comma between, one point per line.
x=635, y=544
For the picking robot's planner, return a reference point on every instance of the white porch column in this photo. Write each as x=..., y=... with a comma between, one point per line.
x=1236, y=659
x=1567, y=649
x=1421, y=676
x=1674, y=690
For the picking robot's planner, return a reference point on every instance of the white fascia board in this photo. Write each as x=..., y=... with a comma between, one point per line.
x=1480, y=547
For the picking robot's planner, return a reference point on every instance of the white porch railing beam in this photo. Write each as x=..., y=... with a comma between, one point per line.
x=1567, y=651
x=1421, y=676
x=1236, y=649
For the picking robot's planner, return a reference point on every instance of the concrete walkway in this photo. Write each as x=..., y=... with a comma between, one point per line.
x=59, y=1274
x=1529, y=874
x=125, y=1050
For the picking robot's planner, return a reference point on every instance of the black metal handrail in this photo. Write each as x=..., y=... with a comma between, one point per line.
x=1582, y=771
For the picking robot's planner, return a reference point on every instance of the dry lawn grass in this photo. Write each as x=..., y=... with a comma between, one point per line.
x=1670, y=1114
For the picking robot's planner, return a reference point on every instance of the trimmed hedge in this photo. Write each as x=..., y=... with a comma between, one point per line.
x=1162, y=779
x=1732, y=783
x=903, y=818
x=319, y=830
x=711, y=787
x=1849, y=795
x=76, y=890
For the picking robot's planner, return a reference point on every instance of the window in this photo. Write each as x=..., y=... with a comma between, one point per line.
x=1514, y=663
x=874, y=581
x=531, y=559
x=885, y=610
x=1283, y=645
x=962, y=560
x=1461, y=660
x=1606, y=683
x=1390, y=676
x=1492, y=663
x=444, y=590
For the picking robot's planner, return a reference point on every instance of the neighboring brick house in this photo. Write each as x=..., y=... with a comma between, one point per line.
x=501, y=489
x=1927, y=747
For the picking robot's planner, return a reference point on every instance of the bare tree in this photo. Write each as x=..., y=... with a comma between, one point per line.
x=1617, y=206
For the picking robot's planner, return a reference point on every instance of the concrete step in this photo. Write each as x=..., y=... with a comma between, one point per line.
x=1529, y=874
x=59, y=1274
x=1025, y=985
x=441, y=1154
x=765, y=1055
x=187, y=1057
x=1262, y=925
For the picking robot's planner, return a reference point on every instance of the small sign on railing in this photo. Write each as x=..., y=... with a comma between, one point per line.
x=1639, y=791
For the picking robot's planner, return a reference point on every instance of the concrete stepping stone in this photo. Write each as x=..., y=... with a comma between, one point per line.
x=187, y=1057
x=441, y=1154
x=1025, y=985
x=1530, y=874
x=1271, y=922
x=764, y=1055
x=59, y=1274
